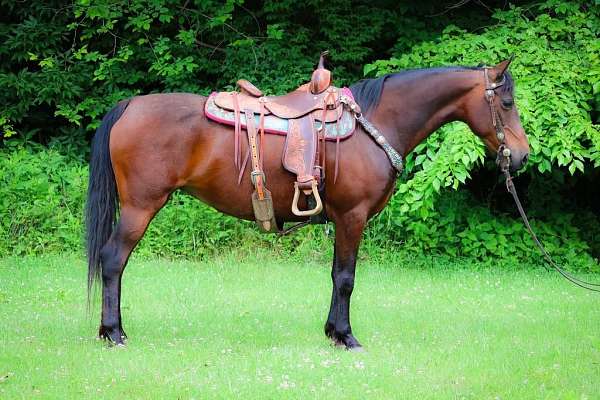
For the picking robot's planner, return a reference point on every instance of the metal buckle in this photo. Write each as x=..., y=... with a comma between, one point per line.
x=256, y=173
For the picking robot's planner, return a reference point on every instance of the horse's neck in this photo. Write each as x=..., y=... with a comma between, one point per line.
x=415, y=104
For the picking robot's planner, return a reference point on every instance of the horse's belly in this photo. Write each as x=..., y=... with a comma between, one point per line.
x=226, y=195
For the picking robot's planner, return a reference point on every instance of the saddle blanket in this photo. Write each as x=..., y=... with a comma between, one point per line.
x=336, y=130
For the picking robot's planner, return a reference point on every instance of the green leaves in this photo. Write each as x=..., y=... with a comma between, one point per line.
x=556, y=73
x=275, y=31
x=555, y=85
x=63, y=64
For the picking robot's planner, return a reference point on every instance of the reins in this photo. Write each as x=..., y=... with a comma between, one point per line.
x=511, y=189
x=504, y=155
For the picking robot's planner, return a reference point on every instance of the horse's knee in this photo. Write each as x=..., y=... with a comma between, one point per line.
x=345, y=283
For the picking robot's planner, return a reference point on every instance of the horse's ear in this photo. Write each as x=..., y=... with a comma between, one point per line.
x=499, y=70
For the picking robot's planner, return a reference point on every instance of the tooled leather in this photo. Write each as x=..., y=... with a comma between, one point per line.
x=299, y=103
x=300, y=148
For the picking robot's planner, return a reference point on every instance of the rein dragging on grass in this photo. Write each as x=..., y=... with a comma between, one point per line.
x=573, y=279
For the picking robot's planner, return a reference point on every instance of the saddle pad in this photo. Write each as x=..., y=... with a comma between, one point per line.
x=279, y=126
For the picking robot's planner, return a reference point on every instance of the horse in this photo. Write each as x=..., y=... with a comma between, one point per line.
x=149, y=146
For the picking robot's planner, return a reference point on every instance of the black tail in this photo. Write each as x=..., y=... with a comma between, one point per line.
x=102, y=199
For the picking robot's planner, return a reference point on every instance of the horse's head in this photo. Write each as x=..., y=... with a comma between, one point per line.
x=492, y=114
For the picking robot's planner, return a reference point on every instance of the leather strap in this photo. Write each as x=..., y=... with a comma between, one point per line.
x=329, y=100
x=337, y=160
x=337, y=151
x=394, y=157
x=257, y=175
x=243, y=167
x=594, y=287
x=261, y=127
x=238, y=129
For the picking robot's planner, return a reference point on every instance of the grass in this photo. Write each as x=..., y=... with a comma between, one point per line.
x=253, y=329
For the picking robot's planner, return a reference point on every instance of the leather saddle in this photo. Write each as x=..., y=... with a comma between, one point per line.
x=307, y=116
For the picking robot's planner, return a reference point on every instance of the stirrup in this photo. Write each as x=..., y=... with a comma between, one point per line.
x=307, y=213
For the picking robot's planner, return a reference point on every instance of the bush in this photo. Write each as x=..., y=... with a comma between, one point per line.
x=42, y=194
x=556, y=72
x=41, y=197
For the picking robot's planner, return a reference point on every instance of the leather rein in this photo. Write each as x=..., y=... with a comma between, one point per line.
x=504, y=164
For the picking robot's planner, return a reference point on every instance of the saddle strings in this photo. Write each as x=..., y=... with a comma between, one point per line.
x=237, y=129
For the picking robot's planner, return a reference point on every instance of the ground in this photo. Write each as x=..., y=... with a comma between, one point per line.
x=252, y=328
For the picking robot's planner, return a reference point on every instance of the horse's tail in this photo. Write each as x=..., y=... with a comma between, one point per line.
x=102, y=198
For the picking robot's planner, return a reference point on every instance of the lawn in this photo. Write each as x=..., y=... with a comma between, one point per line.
x=252, y=328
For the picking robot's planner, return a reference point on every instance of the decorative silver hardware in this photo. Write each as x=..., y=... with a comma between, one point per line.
x=394, y=157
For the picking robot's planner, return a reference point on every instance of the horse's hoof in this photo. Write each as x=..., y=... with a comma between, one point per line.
x=347, y=342
x=114, y=337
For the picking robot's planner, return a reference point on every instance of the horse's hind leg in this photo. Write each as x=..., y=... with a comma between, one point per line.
x=114, y=255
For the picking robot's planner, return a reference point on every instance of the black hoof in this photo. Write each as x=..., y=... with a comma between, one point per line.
x=346, y=341
x=114, y=336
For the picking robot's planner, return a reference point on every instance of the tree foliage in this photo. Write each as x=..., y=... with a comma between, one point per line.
x=74, y=60
x=63, y=64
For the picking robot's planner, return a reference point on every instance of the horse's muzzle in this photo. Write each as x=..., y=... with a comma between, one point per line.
x=515, y=160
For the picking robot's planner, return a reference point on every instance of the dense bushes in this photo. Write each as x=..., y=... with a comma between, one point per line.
x=42, y=195
x=63, y=64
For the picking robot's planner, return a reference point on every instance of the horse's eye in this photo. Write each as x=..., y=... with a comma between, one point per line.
x=507, y=104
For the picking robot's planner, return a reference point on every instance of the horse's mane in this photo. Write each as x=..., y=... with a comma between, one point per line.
x=367, y=92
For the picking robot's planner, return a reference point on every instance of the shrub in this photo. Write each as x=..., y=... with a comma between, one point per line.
x=556, y=72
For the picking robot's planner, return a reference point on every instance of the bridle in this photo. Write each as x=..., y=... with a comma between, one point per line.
x=503, y=161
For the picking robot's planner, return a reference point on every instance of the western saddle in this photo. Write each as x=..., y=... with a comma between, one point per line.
x=304, y=115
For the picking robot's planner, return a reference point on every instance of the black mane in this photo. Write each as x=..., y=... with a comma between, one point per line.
x=367, y=92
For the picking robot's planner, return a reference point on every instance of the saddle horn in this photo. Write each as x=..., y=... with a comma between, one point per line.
x=321, y=77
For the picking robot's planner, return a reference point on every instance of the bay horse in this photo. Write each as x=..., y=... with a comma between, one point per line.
x=149, y=146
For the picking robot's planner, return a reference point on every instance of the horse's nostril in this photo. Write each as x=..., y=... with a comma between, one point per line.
x=525, y=158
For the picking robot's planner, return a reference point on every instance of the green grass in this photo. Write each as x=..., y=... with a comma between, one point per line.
x=253, y=329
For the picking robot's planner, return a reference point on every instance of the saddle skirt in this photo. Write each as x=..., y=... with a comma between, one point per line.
x=339, y=122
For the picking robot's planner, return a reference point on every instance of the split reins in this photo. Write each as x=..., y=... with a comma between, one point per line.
x=504, y=163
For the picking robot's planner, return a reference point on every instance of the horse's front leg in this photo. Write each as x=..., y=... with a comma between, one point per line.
x=348, y=234
x=330, y=324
